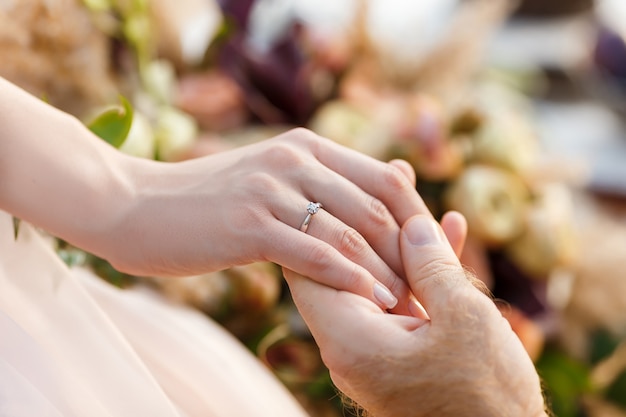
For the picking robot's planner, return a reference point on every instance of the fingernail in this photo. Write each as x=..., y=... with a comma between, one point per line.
x=417, y=310
x=422, y=230
x=384, y=296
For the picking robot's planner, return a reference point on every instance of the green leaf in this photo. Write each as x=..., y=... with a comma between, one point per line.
x=616, y=393
x=106, y=271
x=603, y=344
x=16, y=227
x=72, y=256
x=113, y=124
x=565, y=380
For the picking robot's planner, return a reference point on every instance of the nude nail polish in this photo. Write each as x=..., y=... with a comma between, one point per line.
x=384, y=296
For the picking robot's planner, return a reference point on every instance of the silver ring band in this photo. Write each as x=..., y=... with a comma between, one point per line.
x=311, y=209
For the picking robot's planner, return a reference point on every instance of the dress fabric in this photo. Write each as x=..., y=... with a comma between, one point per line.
x=71, y=345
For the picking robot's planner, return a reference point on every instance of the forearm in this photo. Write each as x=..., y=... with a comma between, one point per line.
x=56, y=174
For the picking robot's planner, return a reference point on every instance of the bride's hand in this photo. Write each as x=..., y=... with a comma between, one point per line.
x=248, y=205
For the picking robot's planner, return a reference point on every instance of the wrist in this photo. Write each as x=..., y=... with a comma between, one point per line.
x=105, y=188
x=77, y=199
x=114, y=236
x=147, y=233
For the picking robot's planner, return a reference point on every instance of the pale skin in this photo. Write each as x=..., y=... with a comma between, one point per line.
x=206, y=214
x=463, y=361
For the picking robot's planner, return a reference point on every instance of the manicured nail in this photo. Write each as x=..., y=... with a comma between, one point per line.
x=417, y=310
x=384, y=296
x=422, y=231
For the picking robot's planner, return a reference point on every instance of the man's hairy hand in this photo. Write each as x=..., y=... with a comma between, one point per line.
x=464, y=361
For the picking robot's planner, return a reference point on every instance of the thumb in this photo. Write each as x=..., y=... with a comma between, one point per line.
x=432, y=268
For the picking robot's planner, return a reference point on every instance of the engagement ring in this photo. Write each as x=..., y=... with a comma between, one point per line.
x=311, y=209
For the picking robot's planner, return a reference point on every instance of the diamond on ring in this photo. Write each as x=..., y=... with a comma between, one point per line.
x=311, y=209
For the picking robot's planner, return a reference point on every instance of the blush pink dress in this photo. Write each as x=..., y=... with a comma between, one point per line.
x=72, y=345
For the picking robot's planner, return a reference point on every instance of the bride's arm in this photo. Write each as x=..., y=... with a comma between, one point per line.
x=56, y=174
x=236, y=207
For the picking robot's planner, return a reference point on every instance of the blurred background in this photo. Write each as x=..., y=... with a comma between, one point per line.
x=511, y=112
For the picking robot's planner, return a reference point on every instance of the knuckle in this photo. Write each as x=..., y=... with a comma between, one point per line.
x=351, y=243
x=441, y=268
x=378, y=214
x=472, y=309
x=323, y=259
x=447, y=282
x=309, y=139
x=284, y=155
x=437, y=274
x=349, y=276
x=321, y=256
x=262, y=183
x=394, y=179
x=303, y=134
x=353, y=278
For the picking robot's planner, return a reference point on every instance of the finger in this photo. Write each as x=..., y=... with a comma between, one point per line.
x=358, y=210
x=361, y=200
x=314, y=299
x=453, y=223
x=433, y=270
x=353, y=246
x=384, y=183
x=320, y=306
x=349, y=243
x=379, y=179
x=325, y=264
x=340, y=322
x=454, y=226
x=406, y=169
